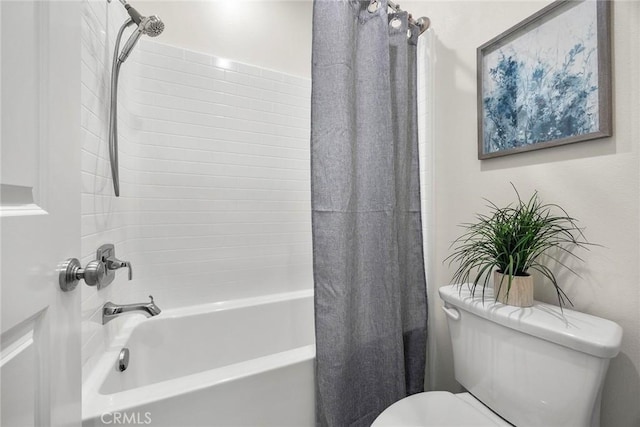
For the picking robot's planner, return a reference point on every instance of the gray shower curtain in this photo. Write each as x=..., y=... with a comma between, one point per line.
x=370, y=291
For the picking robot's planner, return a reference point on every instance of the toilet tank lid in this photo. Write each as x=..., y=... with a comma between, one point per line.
x=579, y=331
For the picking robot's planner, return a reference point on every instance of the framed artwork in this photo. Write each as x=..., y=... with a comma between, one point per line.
x=546, y=81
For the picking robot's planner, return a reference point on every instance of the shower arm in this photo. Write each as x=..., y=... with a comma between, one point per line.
x=113, y=111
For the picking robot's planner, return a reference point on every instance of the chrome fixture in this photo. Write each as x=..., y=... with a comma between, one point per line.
x=107, y=254
x=151, y=26
x=110, y=310
x=123, y=359
x=422, y=23
x=99, y=272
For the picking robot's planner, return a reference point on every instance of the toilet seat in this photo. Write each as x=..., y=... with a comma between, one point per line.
x=438, y=409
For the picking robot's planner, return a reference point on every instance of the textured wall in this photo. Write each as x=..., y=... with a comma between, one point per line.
x=214, y=176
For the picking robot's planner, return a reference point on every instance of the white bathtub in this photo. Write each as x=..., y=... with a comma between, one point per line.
x=246, y=362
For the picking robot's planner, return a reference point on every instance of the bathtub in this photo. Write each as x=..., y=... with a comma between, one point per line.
x=245, y=362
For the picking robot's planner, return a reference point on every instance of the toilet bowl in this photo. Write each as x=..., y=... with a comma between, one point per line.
x=439, y=409
x=534, y=366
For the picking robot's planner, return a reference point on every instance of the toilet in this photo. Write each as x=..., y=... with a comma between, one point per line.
x=535, y=366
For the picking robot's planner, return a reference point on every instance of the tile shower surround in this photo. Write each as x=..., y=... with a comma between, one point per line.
x=214, y=169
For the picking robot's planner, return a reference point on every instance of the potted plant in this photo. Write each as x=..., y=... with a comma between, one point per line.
x=509, y=242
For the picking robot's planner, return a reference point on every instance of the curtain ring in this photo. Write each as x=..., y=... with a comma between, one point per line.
x=373, y=6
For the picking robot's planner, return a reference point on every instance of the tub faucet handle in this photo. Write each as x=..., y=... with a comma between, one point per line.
x=106, y=254
x=114, y=264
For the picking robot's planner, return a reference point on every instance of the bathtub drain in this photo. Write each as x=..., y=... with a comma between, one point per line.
x=123, y=359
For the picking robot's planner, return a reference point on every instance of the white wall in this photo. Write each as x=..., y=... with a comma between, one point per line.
x=597, y=182
x=214, y=172
x=273, y=34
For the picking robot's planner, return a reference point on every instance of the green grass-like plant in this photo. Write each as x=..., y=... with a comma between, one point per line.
x=512, y=240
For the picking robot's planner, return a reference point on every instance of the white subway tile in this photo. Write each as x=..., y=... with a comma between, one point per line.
x=197, y=57
x=161, y=49
x=223, y=63
x=214, y=168
x=273, y=75
x=249, y=69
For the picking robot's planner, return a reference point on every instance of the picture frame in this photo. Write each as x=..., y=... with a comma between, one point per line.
x=546, y=81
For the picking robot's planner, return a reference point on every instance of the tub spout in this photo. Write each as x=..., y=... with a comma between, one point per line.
x=110, y=310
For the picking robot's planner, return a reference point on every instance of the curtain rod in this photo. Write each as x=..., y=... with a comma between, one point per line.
x=423, y=22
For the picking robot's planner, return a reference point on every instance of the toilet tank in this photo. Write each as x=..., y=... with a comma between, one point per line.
x=534, y=366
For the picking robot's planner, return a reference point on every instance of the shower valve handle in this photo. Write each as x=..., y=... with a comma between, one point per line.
x=99, y=272
x=114, y=264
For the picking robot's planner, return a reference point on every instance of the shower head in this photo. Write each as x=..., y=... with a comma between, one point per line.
x=152, y=26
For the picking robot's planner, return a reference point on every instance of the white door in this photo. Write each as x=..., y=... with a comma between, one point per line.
x=40, y=382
